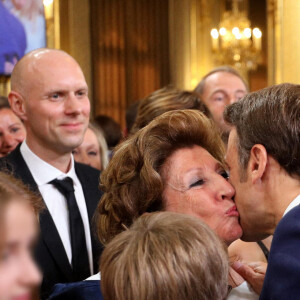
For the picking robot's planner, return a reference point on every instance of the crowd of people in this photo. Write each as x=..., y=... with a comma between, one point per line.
x=198, y=199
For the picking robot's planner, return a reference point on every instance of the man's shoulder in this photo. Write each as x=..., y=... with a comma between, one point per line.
x=282, y=277
x=89, y=178
x=13, y=161
x=87, y=171
x=289, y=222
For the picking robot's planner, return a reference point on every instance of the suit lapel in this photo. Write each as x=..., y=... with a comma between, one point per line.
x=90, y=191
x=49, y=234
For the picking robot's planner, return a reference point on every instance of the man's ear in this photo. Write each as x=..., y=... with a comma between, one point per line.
x=17, y=105
x=257, y=162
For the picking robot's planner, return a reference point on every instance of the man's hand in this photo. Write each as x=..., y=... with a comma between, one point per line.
x=254, y=273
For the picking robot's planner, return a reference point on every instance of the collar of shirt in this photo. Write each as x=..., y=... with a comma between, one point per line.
x=43, y=172
x=293, y=204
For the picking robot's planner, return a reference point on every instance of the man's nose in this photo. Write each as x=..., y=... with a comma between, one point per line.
x=72, y=105
x=232, y=99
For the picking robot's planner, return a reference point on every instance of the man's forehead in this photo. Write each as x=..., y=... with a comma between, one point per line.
x=225, y=79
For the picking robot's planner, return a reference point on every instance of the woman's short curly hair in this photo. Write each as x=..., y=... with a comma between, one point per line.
x=132, y=182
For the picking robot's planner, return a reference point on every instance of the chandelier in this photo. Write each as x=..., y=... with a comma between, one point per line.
x=235, y=43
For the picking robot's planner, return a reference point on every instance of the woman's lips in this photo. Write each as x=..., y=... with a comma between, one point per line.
x=232, y=211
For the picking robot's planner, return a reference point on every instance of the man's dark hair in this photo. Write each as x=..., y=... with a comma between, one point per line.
x=270, y=117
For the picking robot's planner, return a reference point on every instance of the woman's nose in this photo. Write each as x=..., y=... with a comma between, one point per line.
x=8, y=140
x=31, y=274
x=226, y=190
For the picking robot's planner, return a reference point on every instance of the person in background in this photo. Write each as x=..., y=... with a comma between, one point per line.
x=158, y=258
x=19, y=209
x=93, y=150
x=163, y=100
x=217, y=89
x=111, y=130
x=12, y=130
x=130, y=116
x=49, y=93
x=12, y=40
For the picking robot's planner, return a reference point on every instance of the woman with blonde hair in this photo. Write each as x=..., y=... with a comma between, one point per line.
x=159, y=259
x=93, y=150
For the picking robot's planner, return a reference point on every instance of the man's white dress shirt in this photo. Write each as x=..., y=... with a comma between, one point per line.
x=293, y=204
x=56, y=203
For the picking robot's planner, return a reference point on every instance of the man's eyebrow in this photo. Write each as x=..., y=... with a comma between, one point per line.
x=218, y=91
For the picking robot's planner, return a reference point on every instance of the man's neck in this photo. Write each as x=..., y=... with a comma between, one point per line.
x=284, y=191
x=61, y=161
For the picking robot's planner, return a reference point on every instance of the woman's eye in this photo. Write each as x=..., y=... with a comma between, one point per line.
x=224, y=174
x=15, y=129
x=197, y=183
x=92, y=153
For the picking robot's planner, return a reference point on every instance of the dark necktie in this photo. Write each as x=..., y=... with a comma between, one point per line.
x=80, y=262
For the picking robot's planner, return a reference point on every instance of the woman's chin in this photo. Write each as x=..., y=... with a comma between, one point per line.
x=232, y=235
x=24, y=296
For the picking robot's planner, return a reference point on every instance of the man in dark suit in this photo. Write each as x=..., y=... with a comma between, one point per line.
x=49, y=93
x=263, y=156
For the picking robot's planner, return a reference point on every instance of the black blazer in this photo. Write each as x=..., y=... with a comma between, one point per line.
x=50, y=252
x=83, y=290
x=282, y=279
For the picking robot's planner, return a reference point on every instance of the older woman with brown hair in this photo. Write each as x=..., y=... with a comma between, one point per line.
x=175, y=163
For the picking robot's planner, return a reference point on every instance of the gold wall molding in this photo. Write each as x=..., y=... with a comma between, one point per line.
x=283, y=41
x=190, y=22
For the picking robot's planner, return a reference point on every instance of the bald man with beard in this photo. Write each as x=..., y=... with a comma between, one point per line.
x=49, y=93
